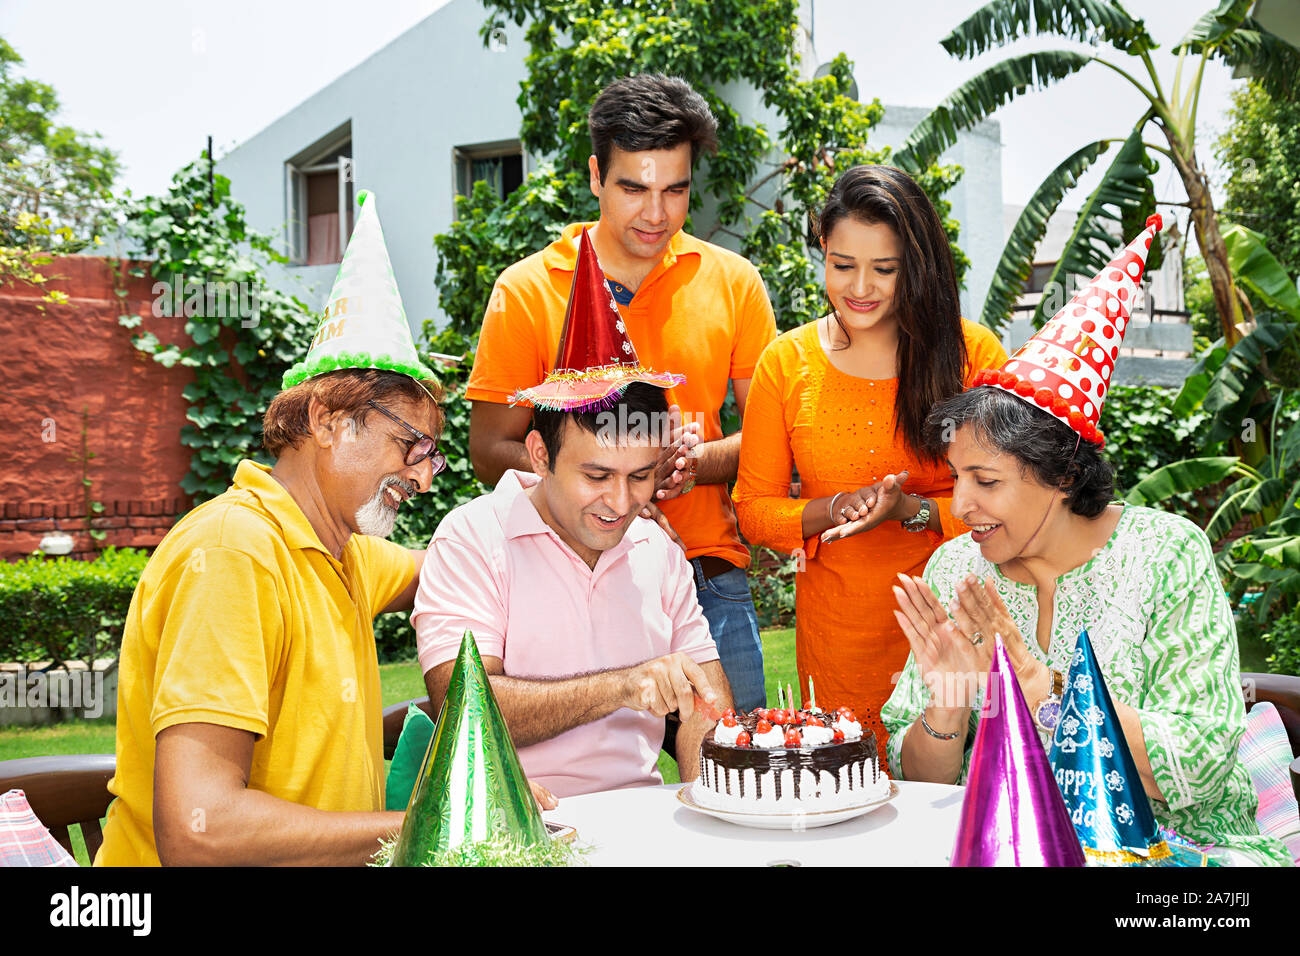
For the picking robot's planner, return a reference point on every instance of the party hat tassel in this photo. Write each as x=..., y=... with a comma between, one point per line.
x=1012, y=814
x=596, y=361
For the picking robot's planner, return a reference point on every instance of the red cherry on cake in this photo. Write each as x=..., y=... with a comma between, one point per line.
x=849, y=716
x=742, y=739
x=729, y=712
x=816, y=722
x=792, y=739
x=838, y=736
x=763, y=727
x=728, y=720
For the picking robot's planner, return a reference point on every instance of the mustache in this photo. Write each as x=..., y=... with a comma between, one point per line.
x=406, y=487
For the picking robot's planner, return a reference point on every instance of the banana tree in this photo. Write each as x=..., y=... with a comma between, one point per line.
x=1247, y=390
x=1125, y=195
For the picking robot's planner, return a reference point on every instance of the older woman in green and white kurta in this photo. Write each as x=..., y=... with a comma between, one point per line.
x=1051, y=556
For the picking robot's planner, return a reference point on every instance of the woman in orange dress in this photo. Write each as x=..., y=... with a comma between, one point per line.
x=843, y=399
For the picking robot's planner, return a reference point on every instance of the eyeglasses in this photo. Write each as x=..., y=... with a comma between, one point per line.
x=423, y=447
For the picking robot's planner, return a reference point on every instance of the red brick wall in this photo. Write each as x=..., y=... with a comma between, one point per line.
x=72, y=357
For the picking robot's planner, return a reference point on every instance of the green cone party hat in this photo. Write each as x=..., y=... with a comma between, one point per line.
x=472, y=788
x=364, y=324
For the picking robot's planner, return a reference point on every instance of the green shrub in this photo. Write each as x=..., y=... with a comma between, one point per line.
x=771, y=583
x=1283, y=642
x=57, y=609
x=1143, y=434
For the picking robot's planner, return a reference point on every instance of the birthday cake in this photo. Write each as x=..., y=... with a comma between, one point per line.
x=775, y=760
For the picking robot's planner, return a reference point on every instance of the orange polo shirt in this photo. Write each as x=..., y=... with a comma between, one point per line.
x=702, y=312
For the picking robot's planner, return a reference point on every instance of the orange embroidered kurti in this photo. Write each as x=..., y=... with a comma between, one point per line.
x=838, y=430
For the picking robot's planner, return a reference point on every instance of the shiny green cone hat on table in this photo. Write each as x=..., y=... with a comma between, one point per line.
x=472, y=788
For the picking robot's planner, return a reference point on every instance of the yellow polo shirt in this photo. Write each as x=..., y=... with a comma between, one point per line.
x=242, y=618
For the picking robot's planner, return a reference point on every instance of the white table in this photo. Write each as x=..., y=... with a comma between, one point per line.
x=647, y=826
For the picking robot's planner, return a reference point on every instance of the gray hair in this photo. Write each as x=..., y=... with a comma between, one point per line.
x=1046, y=447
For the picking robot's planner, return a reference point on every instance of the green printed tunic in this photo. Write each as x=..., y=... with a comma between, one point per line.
x=1160, y=623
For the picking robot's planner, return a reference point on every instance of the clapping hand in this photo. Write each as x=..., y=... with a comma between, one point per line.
x=952, y=665
x=979, y=613
x=856, y=511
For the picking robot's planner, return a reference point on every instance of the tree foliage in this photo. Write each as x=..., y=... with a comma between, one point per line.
x=242, y=333
x=1260, y=154
x=52, y=175
x=55, y=181
x=1125, y=193
x=760, y=187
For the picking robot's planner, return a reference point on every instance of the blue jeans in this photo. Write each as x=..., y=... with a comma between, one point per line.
x=733, y=623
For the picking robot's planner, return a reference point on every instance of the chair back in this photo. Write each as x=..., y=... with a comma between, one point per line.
x=1283, y=692
x=395, y=717
x=63, y=790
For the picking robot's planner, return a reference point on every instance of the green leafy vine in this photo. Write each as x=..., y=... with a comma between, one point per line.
x=242, y=333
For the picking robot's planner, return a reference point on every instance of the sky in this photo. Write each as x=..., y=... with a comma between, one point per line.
x=156, y=77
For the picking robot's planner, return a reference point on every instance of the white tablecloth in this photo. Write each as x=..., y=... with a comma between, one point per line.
x=647, y=826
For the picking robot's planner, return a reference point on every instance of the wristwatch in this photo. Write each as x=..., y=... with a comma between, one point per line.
x=1047, y=712
x=921, y=520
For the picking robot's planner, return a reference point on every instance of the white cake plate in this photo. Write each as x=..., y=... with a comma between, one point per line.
x=787, y=820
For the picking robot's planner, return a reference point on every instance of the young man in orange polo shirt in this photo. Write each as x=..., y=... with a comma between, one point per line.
x=689, y=305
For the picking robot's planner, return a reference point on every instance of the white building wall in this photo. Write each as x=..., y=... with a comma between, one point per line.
x=976, y=199
x=433, y=88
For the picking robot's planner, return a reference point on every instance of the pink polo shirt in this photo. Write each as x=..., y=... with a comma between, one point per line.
x=494, y=567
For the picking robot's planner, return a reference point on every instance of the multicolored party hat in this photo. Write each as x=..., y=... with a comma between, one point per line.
x=472, y=788
x=596, y=361
x=1012, y=814
x=1065, y=368
x=364, y=324
x=1097, y=776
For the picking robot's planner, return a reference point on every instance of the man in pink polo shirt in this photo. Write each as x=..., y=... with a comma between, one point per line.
x=584, y=612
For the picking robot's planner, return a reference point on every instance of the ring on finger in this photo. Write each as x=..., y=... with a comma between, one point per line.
x=976, y=639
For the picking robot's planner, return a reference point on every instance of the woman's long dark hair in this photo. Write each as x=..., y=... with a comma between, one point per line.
x=931, y=346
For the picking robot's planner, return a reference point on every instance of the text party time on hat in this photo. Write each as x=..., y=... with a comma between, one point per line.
x=1066, y=368
x=364, y=324
x=596, y=361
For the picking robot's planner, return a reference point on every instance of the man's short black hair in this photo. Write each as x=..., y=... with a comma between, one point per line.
x=1050, y=450
x=641, y=412
x=650, y=111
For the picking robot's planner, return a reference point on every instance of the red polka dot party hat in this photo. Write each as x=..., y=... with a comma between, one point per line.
x=1065, y=369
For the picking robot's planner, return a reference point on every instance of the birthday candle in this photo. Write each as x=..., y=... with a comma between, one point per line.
x=812, y=694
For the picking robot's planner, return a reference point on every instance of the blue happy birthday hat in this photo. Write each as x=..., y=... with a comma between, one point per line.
x=1098, y=778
